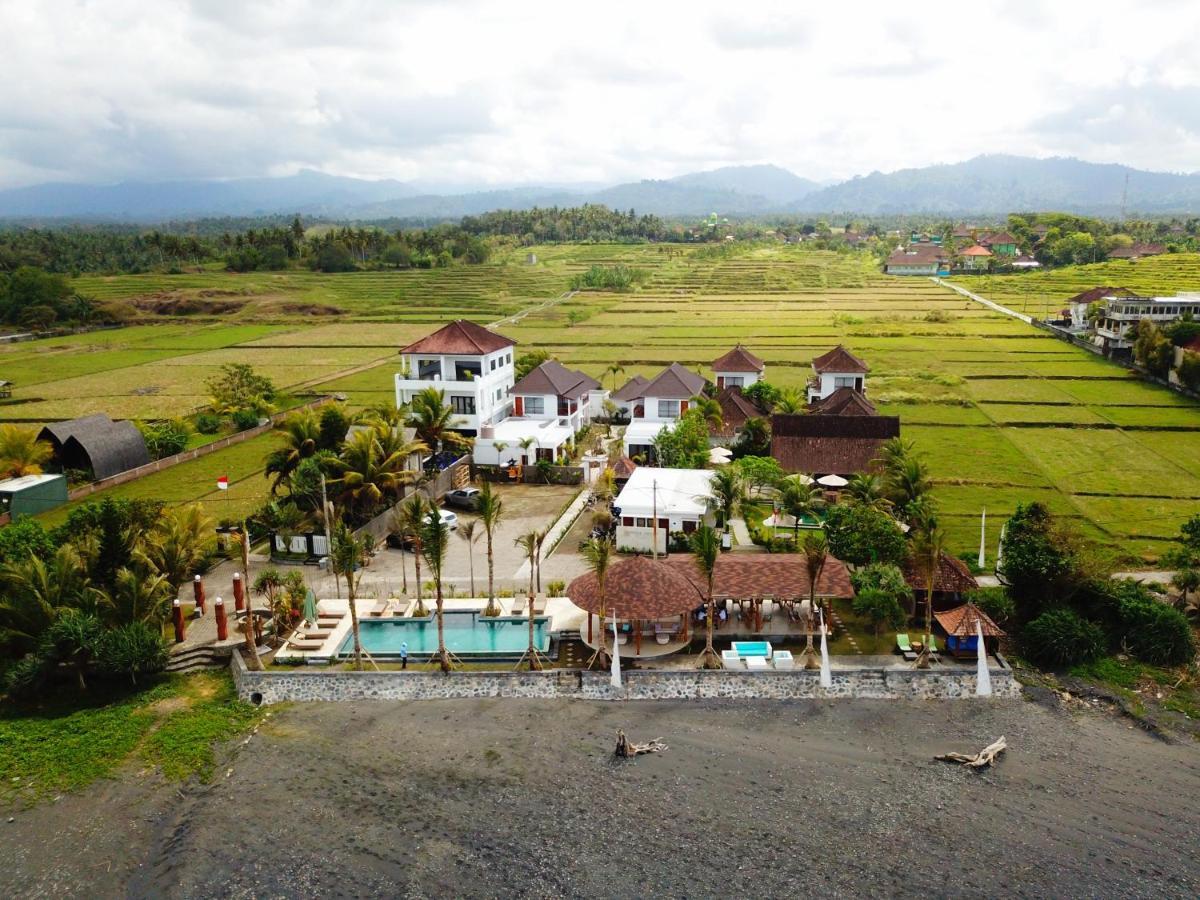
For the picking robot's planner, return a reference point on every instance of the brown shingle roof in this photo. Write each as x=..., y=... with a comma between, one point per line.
x=1135, y=250
x=736, y=408
x=977, y=250
x=997, y=237
x=742, y=576
x=460, y=336
x=675, y=382
x=844, y=401
x=839, y=359
x=960, y=621
x=953, y=576
x=623, y=468
x=630, y=390
x=1099, y=293
x=825, y=445
x=917, y=255
x=552, y=377
x=739, y=359
x=637, y=588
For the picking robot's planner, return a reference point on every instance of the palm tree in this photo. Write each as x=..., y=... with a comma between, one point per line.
x=905, y=484
x=894, y=451
x=537, y=557
x=614, y=370
x=182, y=539
x=490, y=510
x=435, y=538
x=35, y=593
x=710, y=409
x=530, y=542
x=791, y=402
x=867, y=490
x=367, y=474
x=469, y=532
x=301, y=432
x=270, y=584
x=727, y=492
x=409, y=519
x=706, y=544
x=800, y=499
x=345, y=560
x=434, y=421
x=755, y=435
x=928, y=546
x=815, y=550
x=251, y=640
x=525, y=443
x=597, y=554
x=21, y=453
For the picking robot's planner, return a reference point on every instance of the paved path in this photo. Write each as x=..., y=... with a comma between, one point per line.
x=1028, y=320
x=741, y=535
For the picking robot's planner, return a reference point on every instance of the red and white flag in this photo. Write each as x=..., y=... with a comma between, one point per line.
x=223, y=483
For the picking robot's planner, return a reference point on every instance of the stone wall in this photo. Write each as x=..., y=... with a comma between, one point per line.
x=312, y=683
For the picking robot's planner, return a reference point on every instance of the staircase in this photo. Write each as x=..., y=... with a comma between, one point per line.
x=196, y=659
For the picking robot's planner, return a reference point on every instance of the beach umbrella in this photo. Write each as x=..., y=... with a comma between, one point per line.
x=983, y=678
x=616, y=657
x=310, y=607
x=826, y=674
x=833, y=481
x=718, y=456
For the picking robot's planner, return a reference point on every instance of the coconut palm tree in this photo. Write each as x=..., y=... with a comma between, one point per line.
x=300, y=432
x=367, y=475
x=905, y=484
x=36, y=591
x=251, y=640
x=434, y=421
x=894, y=451
x=491, y=510
x=180, y=542
x=21, y=453
x=526, y=443
x=408, y=520
x=800, y=499
x=435, y=538
x=537, y=556
x=345, y=560
x=815, y=550
x=470, y=532
x=530, y=542
x=867, y=490
x=597, y=554
x=928, y=546
x=790, y=402
x=614, y=370
x=710, y=409
x=727, y=493
x=755, y=437
x=706, y=544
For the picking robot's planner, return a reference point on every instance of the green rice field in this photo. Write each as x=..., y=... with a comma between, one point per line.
x=1003, y=412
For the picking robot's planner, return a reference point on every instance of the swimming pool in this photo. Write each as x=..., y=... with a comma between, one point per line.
x=467, y=634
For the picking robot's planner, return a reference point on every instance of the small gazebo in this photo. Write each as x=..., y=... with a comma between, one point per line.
x=962, y=637
x=650, y=599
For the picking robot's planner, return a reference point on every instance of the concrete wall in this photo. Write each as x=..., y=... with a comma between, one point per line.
x=455, y=475
x=312, y=683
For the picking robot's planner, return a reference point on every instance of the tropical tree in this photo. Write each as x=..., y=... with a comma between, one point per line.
x=251, y=639
x=790, y=402
x=816, y=551
x=491, y=510
x=471, y=531
x=530, y=542
x=537, y=557
x=755, y=438
x=526, y=443
x=407, y=523
x=706, y=544
x=345, y=561
x=366, y=475
x=301, y=433
x=710, y=409
x=434, y=421
x=907, y=483
x=800, y=499
x=867, y=490
x=178, y=545
x=614, y=370
x=37, y=591
x=435, y=538
x=928, y=546
x=21, y=453
x=141, y=597
x=597, y=554
x=727, y=492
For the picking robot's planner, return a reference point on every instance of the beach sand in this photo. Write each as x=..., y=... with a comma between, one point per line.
x=502, y=798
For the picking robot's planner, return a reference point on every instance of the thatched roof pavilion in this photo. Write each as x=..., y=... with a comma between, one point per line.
x=97, y=443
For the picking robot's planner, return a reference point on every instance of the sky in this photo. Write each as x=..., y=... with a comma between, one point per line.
x=506, y=93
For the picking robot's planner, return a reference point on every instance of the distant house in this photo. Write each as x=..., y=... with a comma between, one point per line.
x=1080, y=305
x=835, y=369
x=963, y=233
x=97, y=444
x=918, y=259
x=29, y=495
x=657, y=404
x=657, y=502
x=1137, y=250
x=974, y=258
x=6, y=389
x=1119, y=316
x=738, y=368
x=1001, y=243
x=950, y=582
x=1024, y=261
x=845, y=444
x=736, y=410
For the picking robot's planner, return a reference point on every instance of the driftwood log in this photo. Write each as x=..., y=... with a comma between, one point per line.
x=984, y=757
x=626, y=748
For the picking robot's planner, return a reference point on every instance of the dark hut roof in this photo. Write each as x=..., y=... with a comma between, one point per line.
x=1093, y=295
x=637, y=588
x=953, y=576
x=552, y=377
x=736, y=408
x=739, y=359
x=960, y=621
x=675, y=382
x=630, y=390
x=460, y=336
x=623, y=467
x=837, y=445
x=845, y=401
x=104, y=446
x=744, y=576
x=839, y=359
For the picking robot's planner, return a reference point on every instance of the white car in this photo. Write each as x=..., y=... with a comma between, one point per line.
x=449, y=519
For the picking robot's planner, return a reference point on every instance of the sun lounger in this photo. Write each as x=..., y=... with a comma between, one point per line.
x=783, y=659
x=730, y=660
x=518, y=606
x=757, y=663
x=380, y=608
x=305, y=645
x=539, y=606
x=905, y=648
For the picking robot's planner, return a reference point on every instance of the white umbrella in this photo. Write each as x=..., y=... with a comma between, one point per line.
x=983, y=678
x=718, y=456
x=834, y=481
x=803, y=479
x=826, y=674
x=780, y=520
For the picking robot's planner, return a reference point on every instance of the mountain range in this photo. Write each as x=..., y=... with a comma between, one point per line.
x=985, y=184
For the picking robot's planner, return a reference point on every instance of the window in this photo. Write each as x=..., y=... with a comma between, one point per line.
x=493, y=365
x=535, y=406
x=464, y=406
x=499, y=394
x=841, y=381
x=662, y=523
x=508, y=359
x=627, y=521
x=643, y=522
x=466, y=371
x=734, y=381
x=668, y=409
x=689, y=526
x=429, y=369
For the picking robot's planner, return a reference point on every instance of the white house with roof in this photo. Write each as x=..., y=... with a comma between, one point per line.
x=1119, y=317
x=656, y=502
x=657, y=404
x=738, y=368
x=839, y=368
x=472, y=366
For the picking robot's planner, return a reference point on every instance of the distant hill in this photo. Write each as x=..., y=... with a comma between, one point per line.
x=1000, y=184
x=774, y=185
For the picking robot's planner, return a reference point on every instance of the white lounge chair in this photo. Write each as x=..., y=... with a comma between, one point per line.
x=730, y=659
x=783, y=659
x=757, y=663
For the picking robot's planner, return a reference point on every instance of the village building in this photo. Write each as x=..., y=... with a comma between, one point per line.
x=1137, y=250
x=656, y=404
x=29, y=495
x=736, y=410
x=1000, y=243
x=1119, y=316
x=738, y=368
x=975, y=258
x=654, y=503
x=1024, y=261
x=836, y=369
x=1079, y=307
x=918, y=259
x=96, y=444
x=950, y=583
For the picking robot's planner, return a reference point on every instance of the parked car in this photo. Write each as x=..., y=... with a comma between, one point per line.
x=463, y=498
x=396, y=542
x=449, y=519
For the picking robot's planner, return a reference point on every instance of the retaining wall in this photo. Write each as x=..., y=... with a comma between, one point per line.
x=278, y=686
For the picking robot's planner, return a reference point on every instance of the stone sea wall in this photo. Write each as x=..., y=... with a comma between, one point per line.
x=278, y=686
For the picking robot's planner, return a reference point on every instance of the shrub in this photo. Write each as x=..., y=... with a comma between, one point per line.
x=862, y=535
x=881, y=608
x=134, y=649
x=1156, y=633
x=23, y=539
x=995, y=602
x=26, y=677
x=207, y=423
x=333, y=428
x=1061, y=637
x=165, y=438
x=556, y=588
x=244, y=419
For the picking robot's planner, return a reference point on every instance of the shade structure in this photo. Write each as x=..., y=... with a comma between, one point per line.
x=637, y=588
x=720, y=455
x=834, y=481
x=962, y=622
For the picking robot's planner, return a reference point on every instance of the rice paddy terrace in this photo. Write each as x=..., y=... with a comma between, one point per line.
x=1002, y=412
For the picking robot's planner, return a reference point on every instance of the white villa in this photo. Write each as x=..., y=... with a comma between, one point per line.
x=839, y=368
x=738, y=368
x=1120, y=315
x=677, y=498
x=656, y=404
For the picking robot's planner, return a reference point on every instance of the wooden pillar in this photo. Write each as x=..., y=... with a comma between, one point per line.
x=177, y=618
x=222, y=623
x=589, y=628
x=637, y=636
x=687, y=621
x=198, y=592
x=239, y=593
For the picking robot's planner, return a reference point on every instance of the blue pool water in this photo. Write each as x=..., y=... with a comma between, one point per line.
x=750, y=648
x=467, y=634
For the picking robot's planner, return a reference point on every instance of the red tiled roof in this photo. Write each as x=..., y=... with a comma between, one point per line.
x=960, y=621
x=953, y=576
x=460, y=336
x=1096, y=294
x=839, y=359
x=637, y=588
x=977, y=250
x=739, y=359
x=844, y=401
x=741, y=576
x=623, y=467
x=736, y=408
x=552, y=377
x=830, y=445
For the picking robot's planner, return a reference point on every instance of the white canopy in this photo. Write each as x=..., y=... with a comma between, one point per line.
x=833, y=481
x=718, y=456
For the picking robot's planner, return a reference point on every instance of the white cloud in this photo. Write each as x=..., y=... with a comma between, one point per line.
x=550, y=91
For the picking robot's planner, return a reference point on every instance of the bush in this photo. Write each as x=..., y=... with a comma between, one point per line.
x=1061, y=637
x=995, y=602
x=165, y=438
x=26, y=677
x=863, y=535
x=207, y=423
x=23, y=539
x=881, y=608
x=1155, y=633
x=134, y=649
x=556, y=588
x=244, y=419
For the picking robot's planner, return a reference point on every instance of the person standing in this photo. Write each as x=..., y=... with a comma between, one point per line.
x=404, y=654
